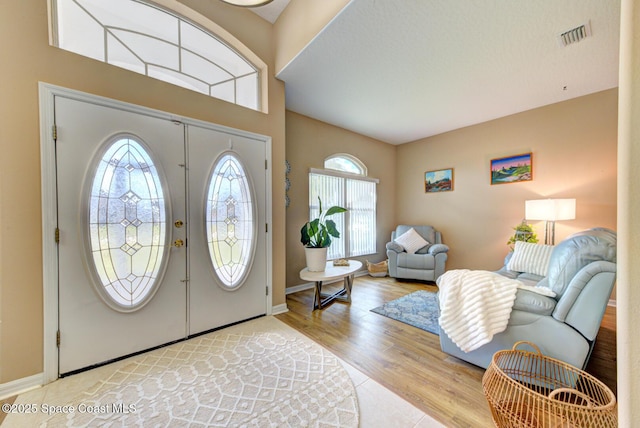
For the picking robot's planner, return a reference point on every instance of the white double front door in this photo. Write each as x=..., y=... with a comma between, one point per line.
x=161, y=229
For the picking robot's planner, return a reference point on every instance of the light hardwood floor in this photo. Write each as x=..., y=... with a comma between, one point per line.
x=407, y=360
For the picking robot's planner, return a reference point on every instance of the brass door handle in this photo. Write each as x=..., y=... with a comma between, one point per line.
x=178, y=243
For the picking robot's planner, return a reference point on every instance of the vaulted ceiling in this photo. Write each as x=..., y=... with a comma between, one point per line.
x=402, y=70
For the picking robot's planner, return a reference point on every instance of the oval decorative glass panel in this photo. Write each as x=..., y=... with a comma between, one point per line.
x=127, y=225
x=229, y=217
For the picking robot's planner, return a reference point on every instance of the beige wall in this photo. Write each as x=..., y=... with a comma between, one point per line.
x=309, y=142
x=574, y=156
x=28, y=59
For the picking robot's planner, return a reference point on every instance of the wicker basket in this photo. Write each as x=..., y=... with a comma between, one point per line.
x=527, y=389
x=378, y=269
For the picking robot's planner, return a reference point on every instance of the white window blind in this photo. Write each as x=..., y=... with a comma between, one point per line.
x=357, y=226
x=361, y=205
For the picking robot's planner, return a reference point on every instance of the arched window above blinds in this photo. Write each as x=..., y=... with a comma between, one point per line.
x=158, y=42
x=345, y=163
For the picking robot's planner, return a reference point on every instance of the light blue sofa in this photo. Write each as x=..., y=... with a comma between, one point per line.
x=582, y=273
x=426, y=264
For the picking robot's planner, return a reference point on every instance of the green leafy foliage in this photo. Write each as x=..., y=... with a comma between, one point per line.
x=523, y=232
x=317, y=233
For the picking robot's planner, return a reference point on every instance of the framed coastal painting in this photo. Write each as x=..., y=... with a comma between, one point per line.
x=512, y=169
x=440, y=180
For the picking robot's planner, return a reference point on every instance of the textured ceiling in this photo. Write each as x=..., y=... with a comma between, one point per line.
x=401, y=70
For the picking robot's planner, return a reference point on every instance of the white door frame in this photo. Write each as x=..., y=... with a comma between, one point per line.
x=47, y=93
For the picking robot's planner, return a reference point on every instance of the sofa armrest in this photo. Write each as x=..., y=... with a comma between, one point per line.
x=394, y=247
x=585, y=299
x=528, y=301
x=437, y=249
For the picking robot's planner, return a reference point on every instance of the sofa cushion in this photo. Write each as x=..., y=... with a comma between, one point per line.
x=530, y=258
x=411, y=241
x=544, y=291
x=530, y=278
x=416, y=262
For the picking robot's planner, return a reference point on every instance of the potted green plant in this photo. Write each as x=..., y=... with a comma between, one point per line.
x=523, y=232
x=316, y=237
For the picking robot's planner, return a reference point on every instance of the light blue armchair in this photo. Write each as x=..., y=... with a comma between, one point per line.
x=582, y=273
x=426, y=264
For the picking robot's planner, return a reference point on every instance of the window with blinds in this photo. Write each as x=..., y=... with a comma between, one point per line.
x=357, y=193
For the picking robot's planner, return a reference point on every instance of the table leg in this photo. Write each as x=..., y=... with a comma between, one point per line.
x=348, y=284
x=320, y=299
x=317, y=298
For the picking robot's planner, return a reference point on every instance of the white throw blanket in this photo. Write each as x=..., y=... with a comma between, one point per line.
x=475, y=305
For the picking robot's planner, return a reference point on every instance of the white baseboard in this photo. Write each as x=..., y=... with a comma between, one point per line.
x=296, y=288
x=19, y=386
x=279, y=309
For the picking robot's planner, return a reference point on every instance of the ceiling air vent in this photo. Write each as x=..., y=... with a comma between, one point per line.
x=575, y=34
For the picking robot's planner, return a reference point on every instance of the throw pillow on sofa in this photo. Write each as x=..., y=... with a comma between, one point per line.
x=530, y=258
x=411, y=241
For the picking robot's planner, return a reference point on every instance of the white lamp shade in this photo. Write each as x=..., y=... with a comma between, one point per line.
x=550, y=209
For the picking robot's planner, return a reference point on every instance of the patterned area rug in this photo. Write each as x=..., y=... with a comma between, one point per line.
x=233, y=377
x=419, y=309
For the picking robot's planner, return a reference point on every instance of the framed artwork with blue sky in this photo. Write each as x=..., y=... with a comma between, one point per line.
x=512, y=169
x=440, y=180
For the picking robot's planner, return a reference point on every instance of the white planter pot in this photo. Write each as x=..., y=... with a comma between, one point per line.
x=316, y=259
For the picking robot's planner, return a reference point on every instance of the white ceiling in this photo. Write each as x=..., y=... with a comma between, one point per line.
x=401, y=70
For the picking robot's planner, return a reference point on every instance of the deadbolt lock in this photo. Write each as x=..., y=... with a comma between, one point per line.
x=179, y=223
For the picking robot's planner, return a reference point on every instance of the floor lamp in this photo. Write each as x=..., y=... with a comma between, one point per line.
x=550, y=210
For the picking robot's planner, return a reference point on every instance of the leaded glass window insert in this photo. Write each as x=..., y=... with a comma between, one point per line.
x=127, y=224
x=230, y=225
x=144, y=38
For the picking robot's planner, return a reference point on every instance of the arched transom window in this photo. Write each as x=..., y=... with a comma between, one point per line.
x=346, y=163
x=144, y=38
